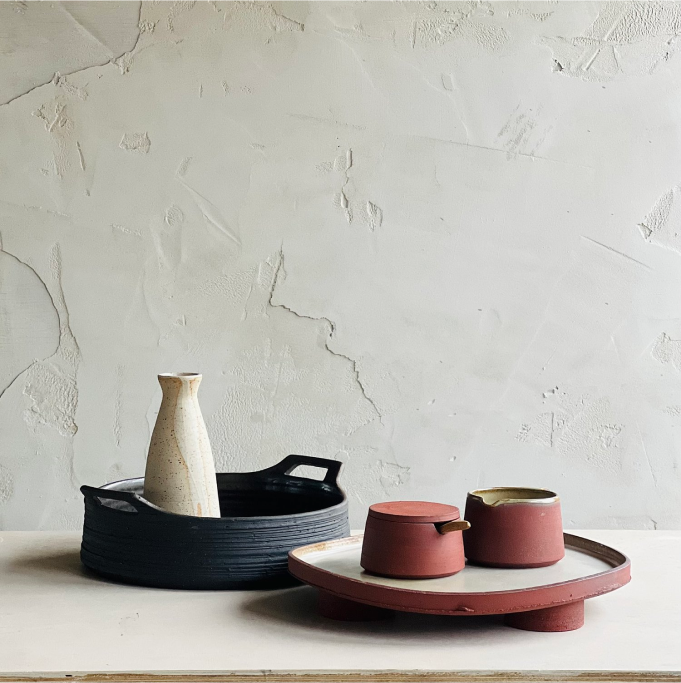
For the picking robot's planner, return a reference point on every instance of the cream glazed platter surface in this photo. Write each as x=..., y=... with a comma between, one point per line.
x=539, y=599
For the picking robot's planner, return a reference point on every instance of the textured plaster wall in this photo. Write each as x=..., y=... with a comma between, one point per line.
x=439, y=241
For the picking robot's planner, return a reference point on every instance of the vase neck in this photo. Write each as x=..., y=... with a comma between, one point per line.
x=180, y=383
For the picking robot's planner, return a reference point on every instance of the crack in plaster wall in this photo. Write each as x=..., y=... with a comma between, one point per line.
x=26, y=305
x=329, y=324
x=51, y=386
x=109, y=56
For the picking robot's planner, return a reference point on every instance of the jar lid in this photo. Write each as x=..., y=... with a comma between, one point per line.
x=414, y=511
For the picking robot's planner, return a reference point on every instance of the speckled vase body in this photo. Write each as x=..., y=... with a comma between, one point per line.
x=180, y=473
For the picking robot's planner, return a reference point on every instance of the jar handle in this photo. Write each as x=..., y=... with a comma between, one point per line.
x=454, y=525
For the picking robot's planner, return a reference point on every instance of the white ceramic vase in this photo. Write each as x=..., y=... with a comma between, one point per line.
x=180, y=474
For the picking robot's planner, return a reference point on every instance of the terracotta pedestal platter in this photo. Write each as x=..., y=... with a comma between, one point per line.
x=536, y=599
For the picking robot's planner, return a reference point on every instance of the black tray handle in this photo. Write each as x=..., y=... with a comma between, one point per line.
x=128, y=497
x=290, y=462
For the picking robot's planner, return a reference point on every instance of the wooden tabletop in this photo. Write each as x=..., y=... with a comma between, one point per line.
x=58, y=623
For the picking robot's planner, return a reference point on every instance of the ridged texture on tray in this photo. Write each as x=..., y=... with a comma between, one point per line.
x=265, y=515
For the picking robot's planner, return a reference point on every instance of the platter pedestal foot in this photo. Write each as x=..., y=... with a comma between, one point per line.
x=568, y=617
x=340, y=609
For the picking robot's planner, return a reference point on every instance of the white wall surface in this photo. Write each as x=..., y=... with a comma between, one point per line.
x=439, y=241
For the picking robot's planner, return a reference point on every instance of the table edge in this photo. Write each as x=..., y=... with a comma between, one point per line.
x=347, y=676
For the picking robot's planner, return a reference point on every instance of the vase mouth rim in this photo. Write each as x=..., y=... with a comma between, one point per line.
x=179, y=375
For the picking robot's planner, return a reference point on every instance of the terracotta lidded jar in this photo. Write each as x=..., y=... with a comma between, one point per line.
x=180, y=473
x=514, y=527
x=413, y=540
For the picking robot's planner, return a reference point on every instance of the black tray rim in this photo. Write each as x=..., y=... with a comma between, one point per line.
x=278, y=472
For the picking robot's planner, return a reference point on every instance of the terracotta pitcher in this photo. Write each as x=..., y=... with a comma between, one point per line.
x=514, y=527
x=180, y=474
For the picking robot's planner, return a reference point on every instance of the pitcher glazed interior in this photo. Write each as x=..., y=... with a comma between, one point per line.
x=501, y=495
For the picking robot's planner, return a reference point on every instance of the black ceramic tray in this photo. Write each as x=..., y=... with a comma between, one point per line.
x=265, y=514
